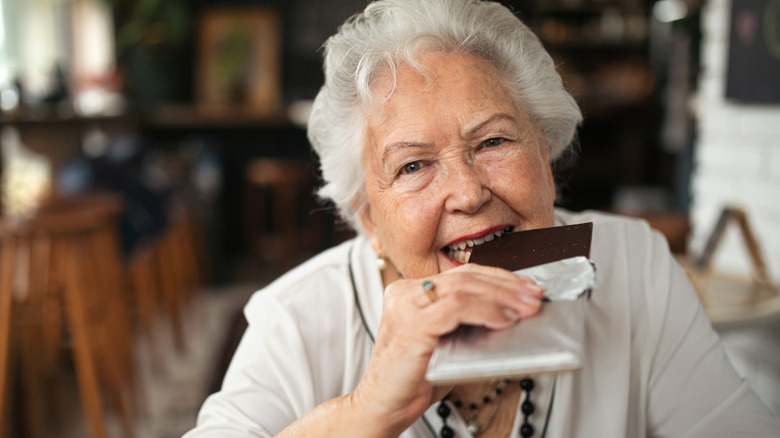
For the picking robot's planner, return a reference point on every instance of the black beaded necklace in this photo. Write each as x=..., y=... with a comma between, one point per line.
x=527, y=408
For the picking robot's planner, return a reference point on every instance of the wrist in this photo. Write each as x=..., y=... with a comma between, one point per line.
x=371, y=419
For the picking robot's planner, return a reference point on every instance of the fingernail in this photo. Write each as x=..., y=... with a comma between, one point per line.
x=530, y=300
x=511, y=314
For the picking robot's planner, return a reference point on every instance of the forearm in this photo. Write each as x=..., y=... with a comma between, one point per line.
x=343, y=416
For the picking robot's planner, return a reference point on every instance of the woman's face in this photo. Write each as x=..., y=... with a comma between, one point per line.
x=450, y=160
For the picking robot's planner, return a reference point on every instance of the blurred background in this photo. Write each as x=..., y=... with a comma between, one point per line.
x=155, y=172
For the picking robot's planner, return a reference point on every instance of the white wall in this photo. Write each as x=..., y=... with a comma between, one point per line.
x=37, y=35
x=737, y=156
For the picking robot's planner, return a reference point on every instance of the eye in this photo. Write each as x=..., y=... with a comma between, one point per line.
x=412, y=167
x=493, y=142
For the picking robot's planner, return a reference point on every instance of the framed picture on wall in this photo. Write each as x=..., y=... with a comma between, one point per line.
x=239, y=65
x=754, y=52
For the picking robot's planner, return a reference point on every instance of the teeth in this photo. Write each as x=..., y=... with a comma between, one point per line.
x=461, y=256
x=456, y=250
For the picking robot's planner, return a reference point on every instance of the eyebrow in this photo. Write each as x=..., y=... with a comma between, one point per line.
x=403, y=145
x=498, y=116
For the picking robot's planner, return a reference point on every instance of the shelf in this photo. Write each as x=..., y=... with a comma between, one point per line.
x=195, y=116
x=173, y=116
x=56, y=114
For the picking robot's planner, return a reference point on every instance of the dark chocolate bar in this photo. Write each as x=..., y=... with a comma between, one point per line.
x=524, y=249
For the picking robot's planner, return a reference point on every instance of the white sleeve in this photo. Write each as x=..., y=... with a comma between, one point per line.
x=268, y=384
x=693, y=388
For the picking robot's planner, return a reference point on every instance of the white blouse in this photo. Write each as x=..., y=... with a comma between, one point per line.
x=653, y=366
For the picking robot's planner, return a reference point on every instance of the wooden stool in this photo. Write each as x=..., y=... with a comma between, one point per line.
x=278, y=205
x=165, y=275
x=61, y=270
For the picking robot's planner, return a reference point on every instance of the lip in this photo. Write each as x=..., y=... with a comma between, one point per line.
x=477, y=235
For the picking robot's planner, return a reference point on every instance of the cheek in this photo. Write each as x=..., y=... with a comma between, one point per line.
x=406, y=217
x=407, y=228
x=521, y=179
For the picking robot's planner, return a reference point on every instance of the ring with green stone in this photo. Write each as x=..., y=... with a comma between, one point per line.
x=430, y=290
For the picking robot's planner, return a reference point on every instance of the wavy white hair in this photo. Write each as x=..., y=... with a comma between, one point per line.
x=391, y=32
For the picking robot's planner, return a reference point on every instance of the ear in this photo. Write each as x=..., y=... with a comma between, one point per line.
x=369, y=227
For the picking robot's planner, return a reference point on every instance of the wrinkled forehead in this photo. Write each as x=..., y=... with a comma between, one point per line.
x=431, y=71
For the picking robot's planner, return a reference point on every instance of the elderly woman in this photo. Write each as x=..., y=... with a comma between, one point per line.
x=436, y=129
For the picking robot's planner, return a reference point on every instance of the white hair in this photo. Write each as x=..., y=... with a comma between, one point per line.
x=391, y=32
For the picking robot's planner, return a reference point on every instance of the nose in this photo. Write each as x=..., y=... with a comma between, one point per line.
x=467, y=187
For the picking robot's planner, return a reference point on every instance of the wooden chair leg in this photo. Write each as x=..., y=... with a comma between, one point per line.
x=52, y=325
x=110, y=330
x=84, y=357
x=33, y=376
x=111, y=279
x=176, y=266
x=178, y=234
x=50, y=301
x=144, y=288
x=191, y=261
x=35, y=370
x=6, y=297
x=168, y=287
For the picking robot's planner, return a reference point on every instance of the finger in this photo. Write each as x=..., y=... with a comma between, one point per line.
x=447, y=314
x=516, y=295
x=479, y=295
x=516, y=292
x=496, y=279
x=510, y=277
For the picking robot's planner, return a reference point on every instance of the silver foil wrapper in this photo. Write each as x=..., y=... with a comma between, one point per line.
x=550, y=341
x=565, y=279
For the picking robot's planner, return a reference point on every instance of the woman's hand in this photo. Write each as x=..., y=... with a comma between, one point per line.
x=394, y=390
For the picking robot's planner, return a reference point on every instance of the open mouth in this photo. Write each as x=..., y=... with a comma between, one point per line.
x=461, y=251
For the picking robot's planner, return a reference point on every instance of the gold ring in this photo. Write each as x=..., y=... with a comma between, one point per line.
x=430, y=290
